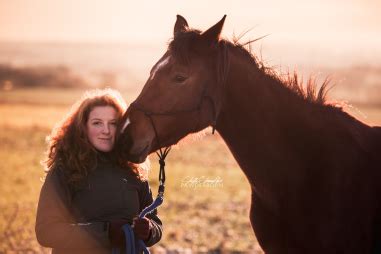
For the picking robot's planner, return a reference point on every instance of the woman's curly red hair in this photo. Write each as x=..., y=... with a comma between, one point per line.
x=69, y=147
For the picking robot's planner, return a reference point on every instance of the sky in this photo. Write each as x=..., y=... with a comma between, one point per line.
x=299, y=32
x=305, y=21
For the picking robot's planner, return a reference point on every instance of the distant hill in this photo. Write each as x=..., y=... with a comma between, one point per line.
x=356, y=75
x=39, y=76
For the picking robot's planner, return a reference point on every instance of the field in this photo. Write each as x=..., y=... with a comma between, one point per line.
x=200, y=218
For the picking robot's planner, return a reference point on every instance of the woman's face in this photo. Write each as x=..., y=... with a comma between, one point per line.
x=101, y=127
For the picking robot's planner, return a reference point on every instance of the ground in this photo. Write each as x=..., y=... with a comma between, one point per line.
x=206, y=205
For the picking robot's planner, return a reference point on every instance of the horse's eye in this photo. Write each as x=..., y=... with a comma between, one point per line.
x=180, y=78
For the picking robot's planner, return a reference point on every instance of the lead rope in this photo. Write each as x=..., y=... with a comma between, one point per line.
x=131, y=242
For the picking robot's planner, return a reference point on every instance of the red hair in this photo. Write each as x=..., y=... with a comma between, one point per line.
x=69, y=147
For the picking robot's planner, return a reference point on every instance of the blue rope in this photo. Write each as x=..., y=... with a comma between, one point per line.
x=129, y=233
x=155, y=204
x=131, y=242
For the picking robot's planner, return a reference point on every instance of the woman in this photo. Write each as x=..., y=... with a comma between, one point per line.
x=89, y=193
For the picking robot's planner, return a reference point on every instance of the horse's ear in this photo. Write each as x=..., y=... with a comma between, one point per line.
x=213, y=34
x=181, y=25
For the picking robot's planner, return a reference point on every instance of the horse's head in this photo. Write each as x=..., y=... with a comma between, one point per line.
x=182, y=94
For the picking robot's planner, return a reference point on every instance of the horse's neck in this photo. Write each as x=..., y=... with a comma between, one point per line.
x=257, y=113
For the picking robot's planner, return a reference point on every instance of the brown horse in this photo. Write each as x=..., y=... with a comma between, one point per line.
x=314, y=170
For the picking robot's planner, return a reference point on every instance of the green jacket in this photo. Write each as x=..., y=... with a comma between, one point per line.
x=73, y=221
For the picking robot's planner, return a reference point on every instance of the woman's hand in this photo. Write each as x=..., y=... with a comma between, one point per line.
x=142, y=228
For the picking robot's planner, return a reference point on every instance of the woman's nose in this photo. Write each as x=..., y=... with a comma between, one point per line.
x=106, y=129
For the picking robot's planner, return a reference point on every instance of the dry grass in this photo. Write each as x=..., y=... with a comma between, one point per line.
x=198, y=218
x=20, y=185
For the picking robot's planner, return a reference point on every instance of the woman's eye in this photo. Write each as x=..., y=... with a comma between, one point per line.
x=180, y=78
x=97, y=123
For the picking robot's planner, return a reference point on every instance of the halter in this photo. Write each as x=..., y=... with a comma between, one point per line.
x=149, y=114
x=222, y=82
x=162, y=154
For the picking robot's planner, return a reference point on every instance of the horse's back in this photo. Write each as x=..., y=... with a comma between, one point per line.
x=376, y=149
x=377, y=167
x=377, y=131
x=377, y=134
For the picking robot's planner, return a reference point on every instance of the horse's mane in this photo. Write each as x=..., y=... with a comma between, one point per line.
x=308, y=92
x=181, y=46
